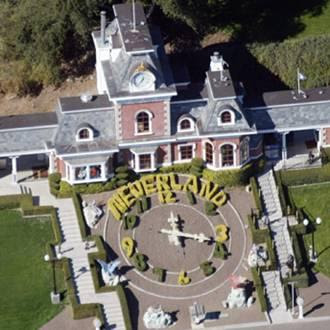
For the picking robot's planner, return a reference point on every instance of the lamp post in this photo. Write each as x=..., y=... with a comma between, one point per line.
x=54, y=295
x=306, y=222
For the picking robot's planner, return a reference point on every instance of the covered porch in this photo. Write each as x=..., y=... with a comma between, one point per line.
x=26, y=167
x=295, y=149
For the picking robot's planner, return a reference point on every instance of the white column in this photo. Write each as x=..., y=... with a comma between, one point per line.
x=14, y=169
x=153, y=161
x=284, y=150
x=103, y=171
x=51, y=162
x=320, y=139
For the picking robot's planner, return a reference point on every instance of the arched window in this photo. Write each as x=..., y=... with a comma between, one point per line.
x=186, y=125
x=143, y=122
x=209, y=153
x=244, y=150
x=227, y=155
x=84, y=134
x=226, y=117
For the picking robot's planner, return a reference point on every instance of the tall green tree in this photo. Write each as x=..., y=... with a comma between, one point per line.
x=38, y=38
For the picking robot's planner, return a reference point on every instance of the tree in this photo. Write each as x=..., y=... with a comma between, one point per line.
x=38, y=37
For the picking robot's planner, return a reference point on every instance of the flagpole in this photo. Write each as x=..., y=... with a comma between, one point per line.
x=298, y=81
x=134, y=16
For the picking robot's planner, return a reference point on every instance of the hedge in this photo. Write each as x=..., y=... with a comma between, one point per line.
x=239, y=177
x=310, y=54
x=301, y=280
x=145, y=203
x=79, y=311
x=258, y=283
x=84, y=230
x=258, y=235
x=124, y=306
x=305, y=176
x=297, y=250
x=176, y=168
x=256, y=194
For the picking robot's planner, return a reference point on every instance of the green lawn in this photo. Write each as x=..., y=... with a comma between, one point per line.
x=316, y=25
x=315, y=200
x=25, y=278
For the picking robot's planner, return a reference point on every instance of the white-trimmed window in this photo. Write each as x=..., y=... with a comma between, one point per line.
x=227, y=155
x=186, y=125
x=244, y=149
x=86, y=173
x=143, y=122
x=226, y=117
x=84, y=134
x=144, y=162
x=186, y=152
x=209, y=153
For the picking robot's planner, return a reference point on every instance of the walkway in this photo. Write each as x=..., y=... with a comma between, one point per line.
x=73, y=248
x=280, y=235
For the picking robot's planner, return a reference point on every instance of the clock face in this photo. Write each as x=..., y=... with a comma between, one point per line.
x=143, y=80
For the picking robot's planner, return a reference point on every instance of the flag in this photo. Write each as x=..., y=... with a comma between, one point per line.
x=301, y=76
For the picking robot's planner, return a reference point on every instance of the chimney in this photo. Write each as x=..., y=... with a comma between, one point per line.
x=103, y=23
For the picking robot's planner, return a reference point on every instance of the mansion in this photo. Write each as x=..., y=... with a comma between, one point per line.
x=143, y=117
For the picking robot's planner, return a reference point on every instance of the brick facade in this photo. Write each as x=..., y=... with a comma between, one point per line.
x=158, y=122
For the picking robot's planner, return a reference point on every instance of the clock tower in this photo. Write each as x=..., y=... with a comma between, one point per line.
x=133, y=70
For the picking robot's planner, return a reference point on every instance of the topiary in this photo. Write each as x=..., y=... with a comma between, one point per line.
x=140, y=262
x=160, y=273
x=207, y=268
x=191, y=197
x=210, y=208
x=220, y=251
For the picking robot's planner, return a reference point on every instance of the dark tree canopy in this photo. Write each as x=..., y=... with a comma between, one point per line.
x=38, y=38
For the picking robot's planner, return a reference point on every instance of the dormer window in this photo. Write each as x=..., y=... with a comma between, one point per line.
x=186, y=125
x=143, y=122
x=226, y=117
x=84, y=133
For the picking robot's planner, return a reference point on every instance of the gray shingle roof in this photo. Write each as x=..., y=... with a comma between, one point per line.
x=26, y=141
x=103, y=123
x=28, y=120
x=70, y=104
x=290, y=117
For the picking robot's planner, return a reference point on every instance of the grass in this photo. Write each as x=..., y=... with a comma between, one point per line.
x=315, y=200
x=316, y=24
x=25, y=278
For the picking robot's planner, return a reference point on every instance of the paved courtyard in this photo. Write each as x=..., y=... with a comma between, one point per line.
x=147, y=291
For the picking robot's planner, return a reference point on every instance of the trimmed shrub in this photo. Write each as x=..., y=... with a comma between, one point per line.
x=139, y=207
x=140, y=262
x=301, y=279
x=65, y=190
x=121, y=169
x=197, y=166
x=258, y=235
x=220, y=251
x=176, y=168
x=84, y=230
x=121, y=182
x=191, y=197
x=210, y=208
x=258, y=283
x=207, y=268
x=54, y=180
x=130, y=221
x=124, y=307
x=297, y=251
x=145, y=203
x=256, y=194
x=160, y=273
